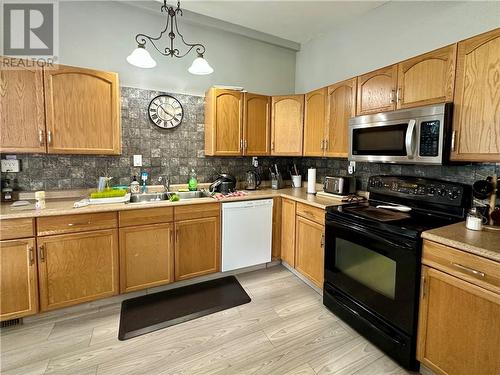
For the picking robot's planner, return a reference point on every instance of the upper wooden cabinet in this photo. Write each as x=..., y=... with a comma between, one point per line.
x=377, y=91
x=22, y=113
x=18, y=280
x=82, y=109
x=256, y=125
x=223, y=122
x=427, y=79
x=287, y=125
x=314, y=122
x=476, y=119
x=341, y=106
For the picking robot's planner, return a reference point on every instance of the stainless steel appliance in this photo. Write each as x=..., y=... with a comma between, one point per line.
x=252, y=180
x=411, y=136
x=224, y=183
x=373, y=255
x=340, y=185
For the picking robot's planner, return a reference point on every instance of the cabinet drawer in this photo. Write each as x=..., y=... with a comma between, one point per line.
x=146, y=216
x=480, y=271
x=76, y=223
x=196, y=211
x=16, y=228
x=312, y=213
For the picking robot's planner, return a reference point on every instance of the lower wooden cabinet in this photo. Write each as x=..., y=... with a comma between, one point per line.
x=78, y=267
x=18, y=281
x=146, y=256
x=276, y=247
x=309, y=249
x=459, y=326
x=288, y=231
x=197, y=247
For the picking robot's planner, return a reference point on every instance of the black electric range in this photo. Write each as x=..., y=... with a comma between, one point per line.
x=373, y=255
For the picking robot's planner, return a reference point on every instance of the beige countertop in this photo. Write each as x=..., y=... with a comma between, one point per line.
x=56, y=207
x=484, y=243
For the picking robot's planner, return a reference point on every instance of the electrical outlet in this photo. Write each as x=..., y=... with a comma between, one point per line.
x=10, y=165
x=255, y=161
x=137, y=160
x=352, y=167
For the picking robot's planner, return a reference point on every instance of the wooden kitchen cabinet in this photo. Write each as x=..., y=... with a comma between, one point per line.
x=223, y=122
x=82, y=108
x=146, y=256
x=459, y=326
x=288, y=231
x=22, y=112
x=377, y=91
x=309, y=249
x=78, y=267
x=287, y=125
x=276, y=246
x=256, y=125
x=18, y=279
x=315, y=122
x=427, y=79
x=341, y=106
x=476, y=119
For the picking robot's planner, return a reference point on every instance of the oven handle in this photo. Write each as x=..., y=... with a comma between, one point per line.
x=409, y=138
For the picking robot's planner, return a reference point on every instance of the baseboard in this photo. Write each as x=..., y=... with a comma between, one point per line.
x=302, y=277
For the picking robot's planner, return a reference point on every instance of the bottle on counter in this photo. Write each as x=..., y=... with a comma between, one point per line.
x=135, y=187
x=193, y=182
x=39, y=200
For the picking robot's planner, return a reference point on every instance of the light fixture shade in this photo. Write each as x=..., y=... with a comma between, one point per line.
x=200, y=66
x=141, y=58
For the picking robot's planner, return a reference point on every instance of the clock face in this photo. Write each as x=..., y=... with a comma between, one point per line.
x=165, y=112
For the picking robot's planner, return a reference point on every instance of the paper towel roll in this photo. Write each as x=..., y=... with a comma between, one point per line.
x=311, y=181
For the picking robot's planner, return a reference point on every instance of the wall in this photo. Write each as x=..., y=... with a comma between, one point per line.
x=388, y=34
x=101, y=34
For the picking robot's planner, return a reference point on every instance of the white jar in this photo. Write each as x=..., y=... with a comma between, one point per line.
x=474, y=220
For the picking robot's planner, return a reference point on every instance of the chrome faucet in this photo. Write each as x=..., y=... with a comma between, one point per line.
x=165, y=182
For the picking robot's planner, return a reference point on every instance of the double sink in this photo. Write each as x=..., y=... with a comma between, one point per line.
x=155, y=197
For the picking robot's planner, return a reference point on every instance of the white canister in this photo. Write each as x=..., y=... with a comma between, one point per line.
x=40, y=200
x=296, y=181
x=311, y=181
x=474, y=220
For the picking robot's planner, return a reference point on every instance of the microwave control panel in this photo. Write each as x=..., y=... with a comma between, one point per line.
x=429, y=138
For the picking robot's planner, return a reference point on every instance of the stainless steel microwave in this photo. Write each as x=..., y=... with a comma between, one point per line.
x=408, y=136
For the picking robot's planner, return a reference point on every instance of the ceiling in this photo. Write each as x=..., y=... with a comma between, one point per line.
x=297, y=21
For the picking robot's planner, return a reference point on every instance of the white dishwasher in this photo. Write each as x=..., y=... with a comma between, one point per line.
x=246, y=233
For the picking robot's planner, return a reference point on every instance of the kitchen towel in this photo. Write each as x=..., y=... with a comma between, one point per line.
x=311, y=181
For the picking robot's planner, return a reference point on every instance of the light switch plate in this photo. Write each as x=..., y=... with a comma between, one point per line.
x=10, y=165
x=352, y=167
x=137, y=160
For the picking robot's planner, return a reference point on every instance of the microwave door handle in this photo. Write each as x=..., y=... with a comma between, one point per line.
x=410, y=150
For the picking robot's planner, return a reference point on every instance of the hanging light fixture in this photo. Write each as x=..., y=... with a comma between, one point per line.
x=141, y=58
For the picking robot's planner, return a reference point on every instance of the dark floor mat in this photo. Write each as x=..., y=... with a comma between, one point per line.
x=152, y=312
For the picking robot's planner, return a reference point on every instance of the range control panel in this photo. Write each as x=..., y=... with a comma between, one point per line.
x=423, y=189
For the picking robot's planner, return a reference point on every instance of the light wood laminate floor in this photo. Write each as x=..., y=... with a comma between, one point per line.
x=284, y=330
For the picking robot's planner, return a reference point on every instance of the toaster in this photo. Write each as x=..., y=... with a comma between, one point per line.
x=340, y=185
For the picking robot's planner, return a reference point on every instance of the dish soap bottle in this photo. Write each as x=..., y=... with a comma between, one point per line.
x=135, y=187
x=193, y=182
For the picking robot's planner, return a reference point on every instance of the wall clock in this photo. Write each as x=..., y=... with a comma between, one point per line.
x=165, y=111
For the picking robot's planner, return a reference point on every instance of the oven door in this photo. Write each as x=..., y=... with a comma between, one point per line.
x=377, y=270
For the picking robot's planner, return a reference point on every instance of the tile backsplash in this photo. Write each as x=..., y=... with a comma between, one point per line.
x=174, y=152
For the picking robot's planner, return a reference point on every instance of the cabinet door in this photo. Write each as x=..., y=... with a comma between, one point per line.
x=257, y=125
x=146, y=256
x=82, y=111
x=276, y=251
x=288, y=231
x=18, y=281
x=223, y=125
x=377, y=91
x=476, y=120
x=197, y=247
x=76, y=268
x=22, y=114
x=287, y=125
x=427, y=79
x=341, y=106
x=309, y=250
x=459, y=326
x=314, y=122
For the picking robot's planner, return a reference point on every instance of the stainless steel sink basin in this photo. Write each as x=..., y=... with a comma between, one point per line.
x=156, y=197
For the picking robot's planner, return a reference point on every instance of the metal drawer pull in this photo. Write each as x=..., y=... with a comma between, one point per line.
x=41, y=252
x=31, y=255
x=393, y=94
x=323, y=240
x=49, y=137
x=76, y=224
x=468, y=269
x=40, y=137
